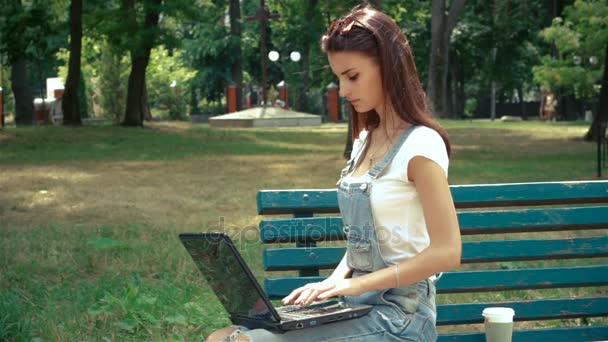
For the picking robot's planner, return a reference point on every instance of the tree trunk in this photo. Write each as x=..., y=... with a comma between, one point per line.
x=137, y=101
x=520, y=95
x=144, y=101
x=302, y=103
x=601, y=114
x=237, y=66
x=437, y=62
x=442, y=26
x=449, y=94
x=193, y=101
x=71, y=101
x=456, y=94
x=493, y=101
x=24, y=100
x=349, y=138
x=135, y=112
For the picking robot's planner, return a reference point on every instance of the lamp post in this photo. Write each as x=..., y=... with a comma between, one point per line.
x=274, y=56
x=601, y=132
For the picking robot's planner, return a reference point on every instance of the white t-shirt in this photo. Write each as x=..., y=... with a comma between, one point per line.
x=396, y=207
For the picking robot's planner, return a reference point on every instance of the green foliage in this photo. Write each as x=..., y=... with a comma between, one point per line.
x=580, y=38
x=207, y=47
x=489, y=44
x=36, y=28
x=167, y=78
x=112, y=85
x=14, y=324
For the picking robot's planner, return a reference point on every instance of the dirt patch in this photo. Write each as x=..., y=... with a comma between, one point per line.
x=189, y=194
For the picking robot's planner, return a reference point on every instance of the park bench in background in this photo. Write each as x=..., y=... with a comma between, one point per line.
x=566, y=250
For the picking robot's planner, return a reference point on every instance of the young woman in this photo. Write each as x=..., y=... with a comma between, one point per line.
x=394, y=198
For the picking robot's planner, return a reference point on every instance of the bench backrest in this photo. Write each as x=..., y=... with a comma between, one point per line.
x=483, y=210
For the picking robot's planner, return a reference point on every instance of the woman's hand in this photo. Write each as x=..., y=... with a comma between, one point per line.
x=309, y=293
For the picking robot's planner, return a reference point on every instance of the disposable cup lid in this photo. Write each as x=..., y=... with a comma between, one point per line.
x=498, y=314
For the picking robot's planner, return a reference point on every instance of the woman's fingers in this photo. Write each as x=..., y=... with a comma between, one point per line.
x=307, y=294
x=291, y=297
x=308, y=297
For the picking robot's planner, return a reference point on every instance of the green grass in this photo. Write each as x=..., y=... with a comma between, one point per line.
x=89, y=216
x=47, y=144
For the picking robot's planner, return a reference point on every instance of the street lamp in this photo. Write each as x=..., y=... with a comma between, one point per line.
x=295, y=56
x=274, y=56
x=578, y=60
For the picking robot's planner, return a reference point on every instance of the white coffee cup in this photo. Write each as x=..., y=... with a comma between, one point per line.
x=498, y=324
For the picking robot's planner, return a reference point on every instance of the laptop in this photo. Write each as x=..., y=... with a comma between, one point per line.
x=239, y=292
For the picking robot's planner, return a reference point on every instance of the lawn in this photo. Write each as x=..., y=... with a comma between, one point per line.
x=89, y=216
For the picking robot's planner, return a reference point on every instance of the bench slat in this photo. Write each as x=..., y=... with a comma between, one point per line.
x=280, y=259
x=297, y=201
x=481, y=281
x=523, y=279
x=465, y=196
x=533, y=220
x=592, y=333
x=471, y=222
x=526, y=194
x=470, y=313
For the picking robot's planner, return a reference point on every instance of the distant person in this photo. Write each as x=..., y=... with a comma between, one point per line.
x=393, y=194
x=547, y=106
x=254, y=98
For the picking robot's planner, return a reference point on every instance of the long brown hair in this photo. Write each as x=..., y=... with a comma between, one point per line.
x=375, y=34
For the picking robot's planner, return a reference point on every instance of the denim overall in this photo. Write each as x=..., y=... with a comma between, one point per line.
x=414, y=303
x=406, y=313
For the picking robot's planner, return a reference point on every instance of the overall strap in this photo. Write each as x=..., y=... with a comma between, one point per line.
x=379, y=168
x=353, y=161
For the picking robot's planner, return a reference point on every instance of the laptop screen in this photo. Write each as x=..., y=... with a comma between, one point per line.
x=217, y=259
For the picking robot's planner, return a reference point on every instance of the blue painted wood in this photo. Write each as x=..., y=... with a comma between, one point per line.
x=482, y=281
x=570, y=334
x=278, y=259
x=470, y=313
x=519, y=250
x=295, y=201
x=290, y=230
x=297, y=258
x=277, y=288
x=306, y=243
x=465, y=196
x=533, y=220
x=476, y=196
x=471, y=222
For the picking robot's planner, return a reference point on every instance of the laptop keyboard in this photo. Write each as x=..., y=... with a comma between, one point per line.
x=295, y=312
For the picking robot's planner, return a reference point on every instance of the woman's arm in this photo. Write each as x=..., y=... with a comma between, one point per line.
x=342, y=270
x=308, y=293
x=444, y=250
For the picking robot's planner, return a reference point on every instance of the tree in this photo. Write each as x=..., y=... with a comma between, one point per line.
x=237, y=65
x=71, y=100
x=598, y=126
x=580, y=39
x=442, y=25
x=15, y=19
x=167, y=77
x=28, y=33
x=144, y=39
x=207, y=47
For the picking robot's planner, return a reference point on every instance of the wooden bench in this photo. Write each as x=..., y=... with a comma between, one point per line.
x=551, y=235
